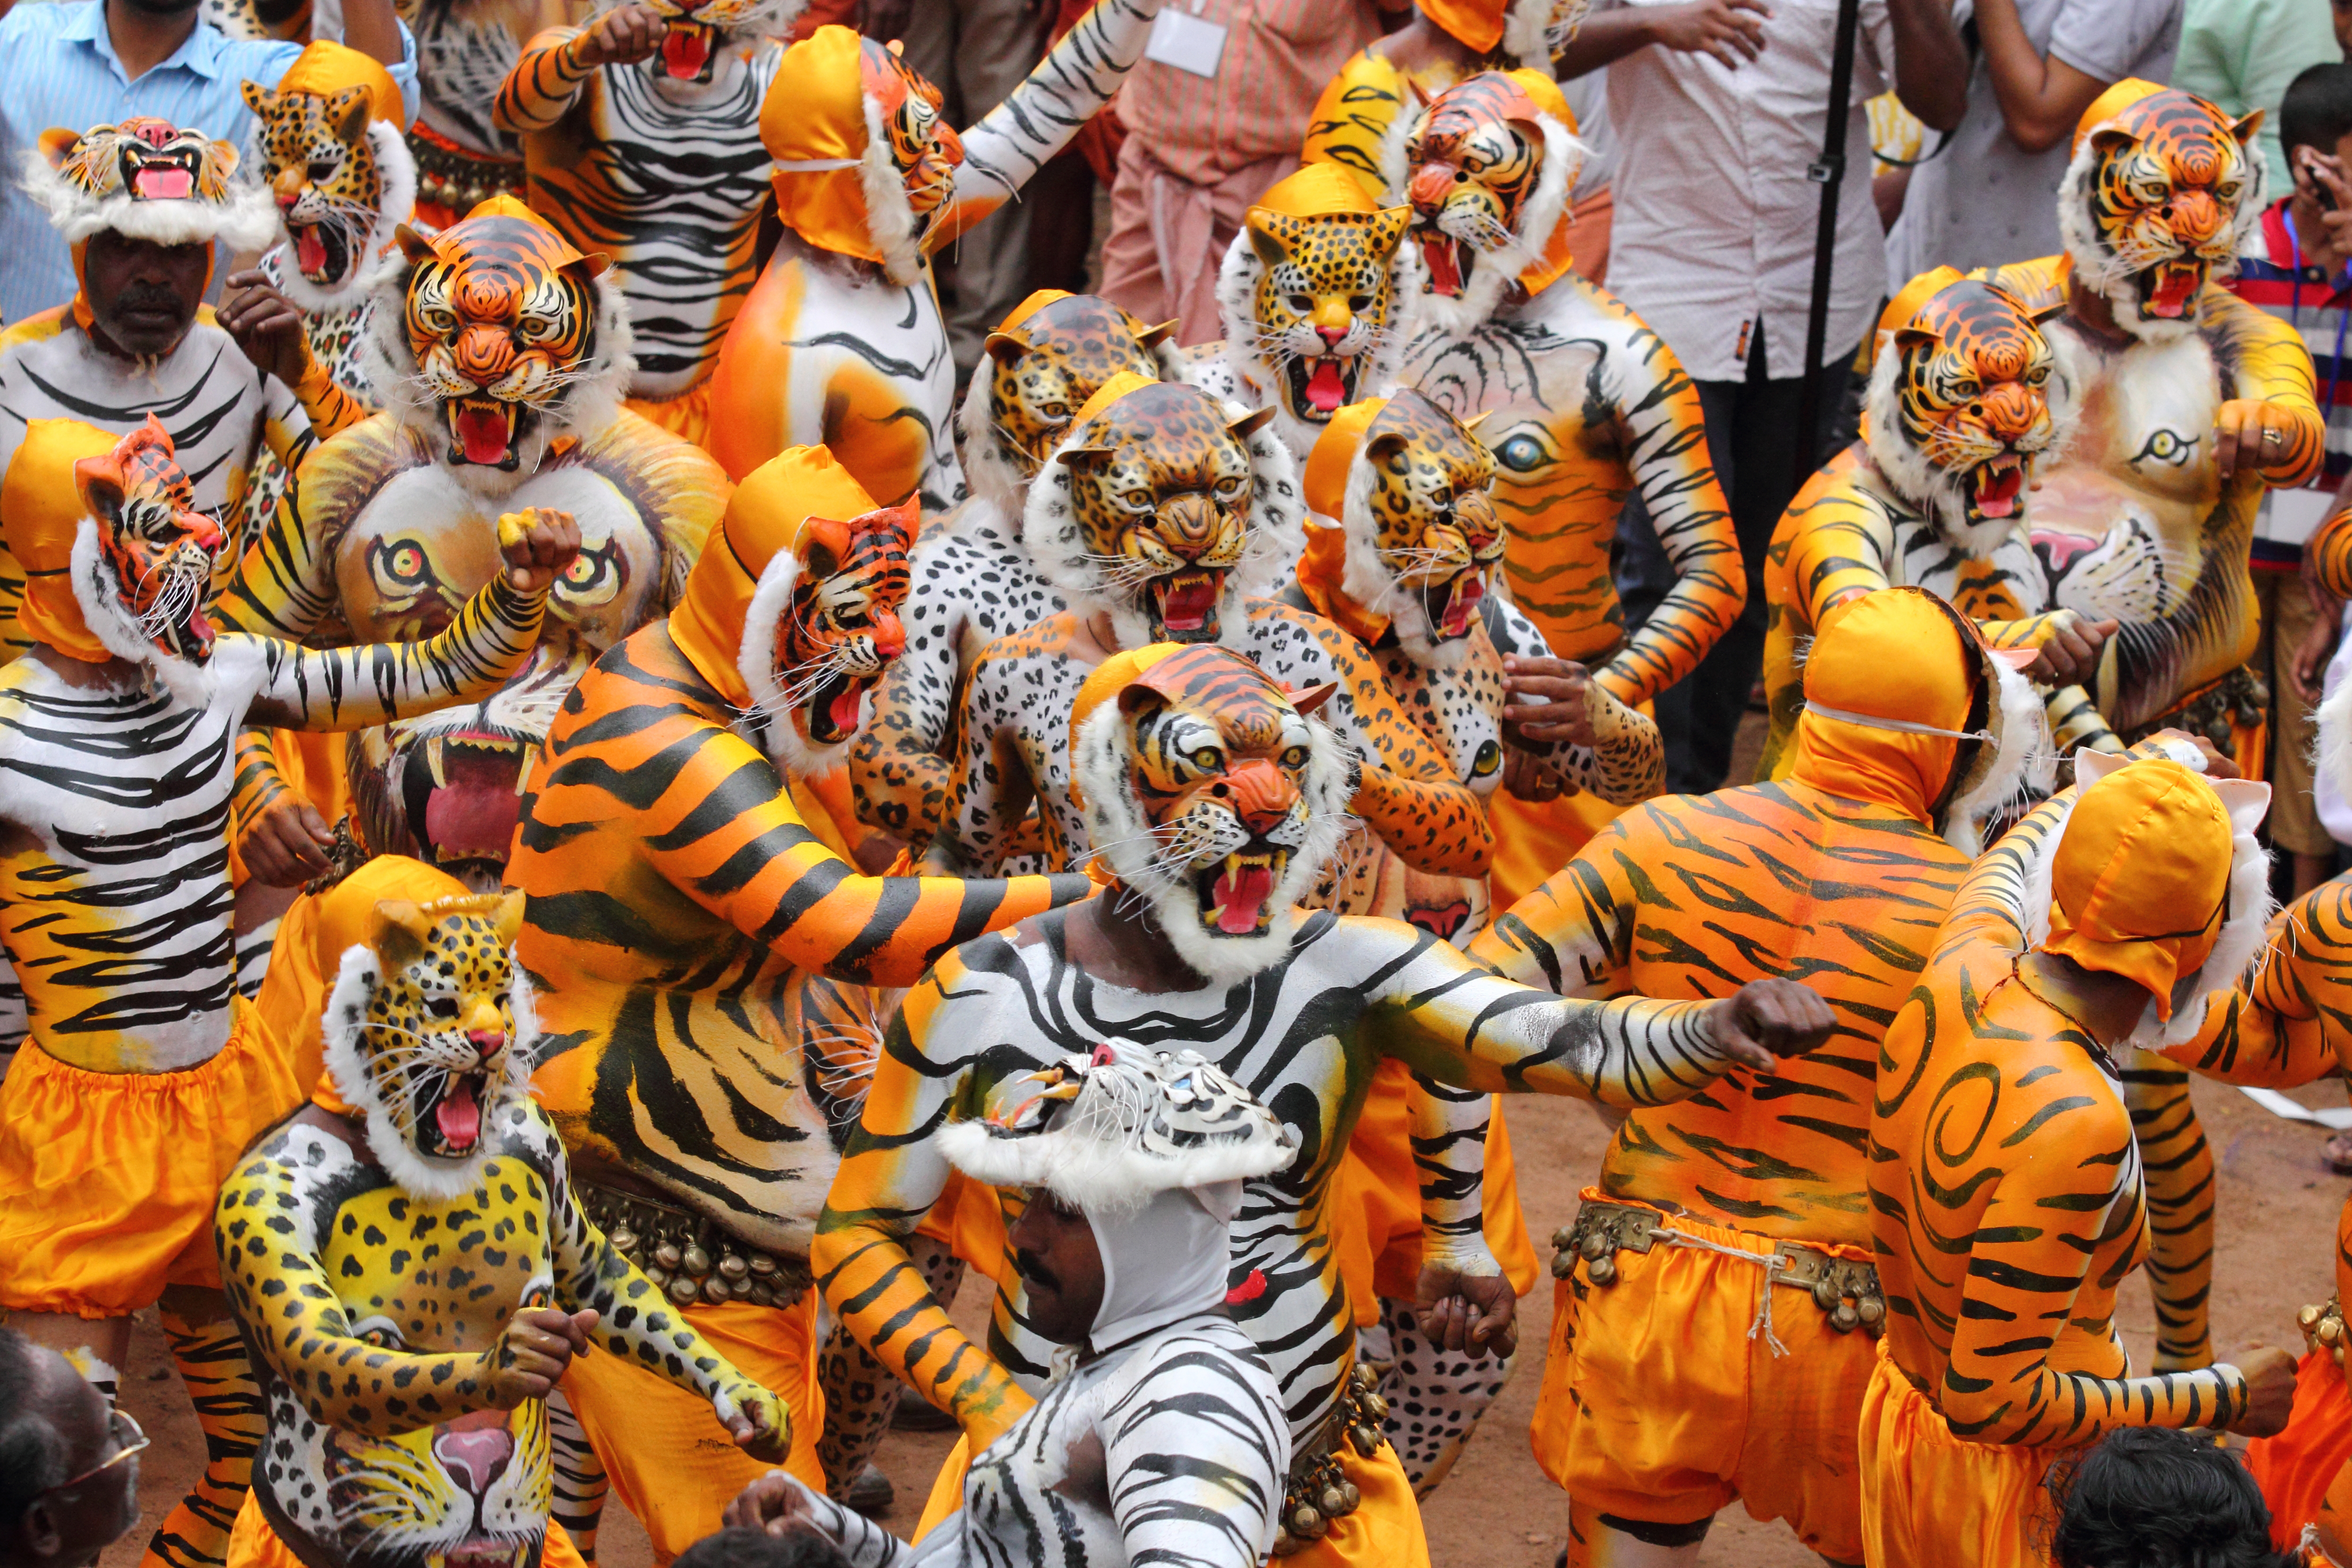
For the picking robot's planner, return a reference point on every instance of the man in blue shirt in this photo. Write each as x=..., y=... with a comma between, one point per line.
x=95, y=62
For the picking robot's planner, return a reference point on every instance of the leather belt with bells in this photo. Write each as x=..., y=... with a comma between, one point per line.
x=687, y=1254
x=1318, y=1490
x=1846, y=1290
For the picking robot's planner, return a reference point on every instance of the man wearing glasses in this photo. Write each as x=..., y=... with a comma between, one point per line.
x=68, y=1462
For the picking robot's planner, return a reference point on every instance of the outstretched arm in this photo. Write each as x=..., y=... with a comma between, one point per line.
x=1216, y=1507
x=1574, y=935
x=2290, y=1021
x=1075, y=79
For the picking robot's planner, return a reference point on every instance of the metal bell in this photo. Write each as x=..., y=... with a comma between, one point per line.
x=624, y=1241
x=735, y=1266
x=683, y=1289
x=697, y=1261
x=1601, y=1271
x=1844, y=1318
x=669, y=1254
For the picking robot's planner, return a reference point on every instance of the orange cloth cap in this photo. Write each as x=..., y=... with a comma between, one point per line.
x=2139, y=884
x=1896, y=655
x=41, y=502
x=324, y=69
x=341, y=921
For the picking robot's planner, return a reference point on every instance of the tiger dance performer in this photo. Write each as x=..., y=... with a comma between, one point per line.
x=1215, y=802
x=665, y=166
x=1391, y=78
x=146, y=1073
x=841, y=341
x=464, y=50
x=2108, y=917
x=702, y=960
x=973, y=579
x=501, y=354
x=1160, y=1437
x=405, y=1418
x=1966, y=413
x=2193, y=403
x=1913, y=733
x=1314, y=293
x=1584, y=404
x=1404, y=568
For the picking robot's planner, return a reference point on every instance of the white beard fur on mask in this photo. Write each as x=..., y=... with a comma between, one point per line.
x=99, y=597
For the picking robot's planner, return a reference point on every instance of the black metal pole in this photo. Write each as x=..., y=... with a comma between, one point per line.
x=1829, y=174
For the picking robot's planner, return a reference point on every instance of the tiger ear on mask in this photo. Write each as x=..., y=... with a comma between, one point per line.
x=398, y=931
x=1152, y=337
x=1387, y=444
x=823, y=546
x=1248, y=424
x=585, y=270
x=262, y=101
x=57, y=143
x=1273, y=236
x=506, y=919
x=1386, y=227
x=348, y=111
x=100, y=482
x=2246, y=127
x=1140, y=699
x=1307, y=702
x=413, y=245
x=1005, y=348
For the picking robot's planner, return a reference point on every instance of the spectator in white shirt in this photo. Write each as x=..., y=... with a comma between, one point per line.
x=1721, y=108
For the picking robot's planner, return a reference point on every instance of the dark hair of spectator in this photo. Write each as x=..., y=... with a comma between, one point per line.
x=2148, y=1497
x=743, y=1548
x=32, y=1455
x=2316, y=111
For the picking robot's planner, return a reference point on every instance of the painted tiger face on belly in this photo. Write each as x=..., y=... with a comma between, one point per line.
x=2159, y=196
x=1211, y=792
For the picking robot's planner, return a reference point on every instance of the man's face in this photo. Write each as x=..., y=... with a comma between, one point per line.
x=143, y=296
x=2343, y=9
x=1061, y=1267
x=68, y=1526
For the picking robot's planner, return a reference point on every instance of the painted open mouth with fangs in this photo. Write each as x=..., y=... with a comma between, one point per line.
x=1185, y=605
x=321, y=252
x=1995, y=485
x=1453, y=605
x=1448, y=260
x=834, y=713
x=685, y=50
x=448, y=1109
x=460, y=791
x=2169, y=289
x=1236, y=895
x=1322, y=384
x=484, y=1551
x=482, y=431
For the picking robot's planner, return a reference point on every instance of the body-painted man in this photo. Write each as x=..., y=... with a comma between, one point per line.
x=1200, y=776
x=501, y=354
x=1584, y=405
x=464, y=50
x=973, y=579
x=700, y=960
x=649, y=136
x=1161, y=1438
x=412, y=1271
x=146, y=1073
x=1745, y=1205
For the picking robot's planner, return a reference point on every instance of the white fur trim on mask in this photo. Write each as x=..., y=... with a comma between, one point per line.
x=1524, y=23
x=756, y=663
x=245, y=221
x=396, y=167
x=2107, y=275
x=1371, y=581
x=1093, y=1173
x=772, y=20
x=987, y=472
x=1103, y=768
x=2024, y=760
x=1498, y=271
x=346, y=1016
x=2332, y=756
x=889, y=219
x=99, y=596
x=2250, y=907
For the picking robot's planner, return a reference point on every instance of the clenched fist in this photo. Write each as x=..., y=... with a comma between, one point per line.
x=623, y=36
x=1766, y=1019
x=539, y=545
x=531, y=1354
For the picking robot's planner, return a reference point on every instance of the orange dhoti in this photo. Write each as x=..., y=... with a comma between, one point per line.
x=1933, y=1501
x=110, y=1177
x=1383, y=1532
x=1663, y=1396
x=672, y=1464
x=253, y=1545
x=1534, y=839
x=2299, y=1470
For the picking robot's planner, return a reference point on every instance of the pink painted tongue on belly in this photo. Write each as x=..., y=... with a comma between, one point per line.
x=484, y=434
x=472, y=819
x=1239, y=898
x=165, y=185
x=1325, y=390
x=459, y=1115
x=683, y=52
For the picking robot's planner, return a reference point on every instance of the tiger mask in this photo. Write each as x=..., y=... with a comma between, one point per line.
x=429, y=1035
x=694, y=32
x=1487, y=169
x=821, y=630
x=1165, y=510
x=340, y=178
x=143, y=559
x=1044, y=365
x=1423, y=537
x=1311, y=298
x=1965, y=413
x=2162, y=194
x=148, y=179
x=495, y=338
x=1214, y=794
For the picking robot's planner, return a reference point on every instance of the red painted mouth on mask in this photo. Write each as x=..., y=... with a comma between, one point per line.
x=1442, y=254
x=458, y=1115
x=1468, y=590
x=2177, y=284
x=1326, y=389
x=1240, y=896
x=163, y=183
x=685, y=50
x=1998, y=483
x=846, y=708
x=485, y=431
x=309, y=250
x=1188, y=601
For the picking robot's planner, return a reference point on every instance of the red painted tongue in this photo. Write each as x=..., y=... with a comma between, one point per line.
x=1325, y=390
x=471, y=818
x=1437, y=255
x=683, y=52
x=1466, y=595
x=847, y=710
x=459, y=1115
x=1997, y=496
x=165, y=184
x=2174, y=285
x=309, y=250
x=1241, y=896
x=483, y=433
x=1188, y=605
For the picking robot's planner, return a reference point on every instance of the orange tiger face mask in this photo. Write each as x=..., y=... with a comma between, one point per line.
x=154, y=548
x=840, y=630
x=2157, y=200
x=923, y=147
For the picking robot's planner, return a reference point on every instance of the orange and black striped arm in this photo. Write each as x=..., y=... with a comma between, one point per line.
x=2290, y=1021
x=1350, y=123
x=298, y=688
x=332, y=410
x=2327, y=553
x=544, y=83
x=2264, y=360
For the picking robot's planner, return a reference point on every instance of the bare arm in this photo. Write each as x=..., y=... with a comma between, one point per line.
x=2040, y=98
x=1730, y=30
x=1931, y=64
x=372, y=27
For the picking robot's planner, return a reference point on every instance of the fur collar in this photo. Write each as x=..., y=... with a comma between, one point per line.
x=1369, y=582
x=371, y=253
x=1939, y=494
x=2023, y=764
x=756, y=663
x=100, y=597
x=1276, y=536
x=1102, y=763
x=346, y=1016
x=1498, y=271
x=2250, y=905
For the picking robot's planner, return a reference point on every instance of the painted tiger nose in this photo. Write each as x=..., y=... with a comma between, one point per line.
x=475, y=1455
x=1432, y=184
x=2011, y=409
x=287, y=186
x=2195, y=215
x=1188, y=523
x=889, y=634
x=1260, y=795
x=488, y=347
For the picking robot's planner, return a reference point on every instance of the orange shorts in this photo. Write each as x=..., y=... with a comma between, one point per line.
x=1658, y=1406
x=671, y=1463
x=1375, y=1205
x=253, y=1545
x=1933, y=1501
x=686, y=416
x=1383, y=1532
x=110, y=1177
x=2297, y=1469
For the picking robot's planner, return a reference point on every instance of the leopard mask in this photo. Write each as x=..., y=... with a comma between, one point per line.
x=1214, y=794
x=1423, y=538
x=1165, y=510
x=821, y=630
x=1044, y=365
x=1965, y=412
x=341, y=180
x=2161, y=196
x=429, y=1033
x=495, y=338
